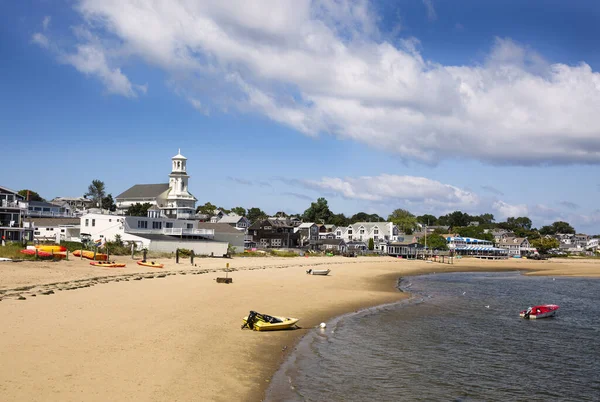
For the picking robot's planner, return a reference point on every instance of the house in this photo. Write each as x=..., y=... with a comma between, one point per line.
x=172, y=198
x=308, y=233
x=516, y=246
x=404, y=249
x=327, y=228
x=356, y=246
x=42, y=208
x=234, y=220
x=332, y=244
x=13, y=208
x=217, y=216
x=326, y=235
x=226, y=233
x=155, y=234
x=74, y=205
x=380, y=232
x=54, y=229
x=475, y=247
x=267, y=233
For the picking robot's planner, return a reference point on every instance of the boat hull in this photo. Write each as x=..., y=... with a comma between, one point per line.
x=538, y=312
x=322, y=272
x=287, y=323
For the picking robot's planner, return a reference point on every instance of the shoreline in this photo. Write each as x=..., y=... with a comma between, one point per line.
x=180, y=337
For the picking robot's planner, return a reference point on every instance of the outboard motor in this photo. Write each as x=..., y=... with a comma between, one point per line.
x=527, y=313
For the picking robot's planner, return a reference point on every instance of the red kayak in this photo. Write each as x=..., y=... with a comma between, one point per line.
x=541, y=311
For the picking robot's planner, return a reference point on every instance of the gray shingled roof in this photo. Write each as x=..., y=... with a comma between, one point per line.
x=144, y=191
x=52, y=222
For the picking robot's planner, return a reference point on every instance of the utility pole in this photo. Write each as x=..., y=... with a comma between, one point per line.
x=426, y=237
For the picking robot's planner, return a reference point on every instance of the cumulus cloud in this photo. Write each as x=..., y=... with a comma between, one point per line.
x=322, y=68
x=506, y=210
x=388, y=187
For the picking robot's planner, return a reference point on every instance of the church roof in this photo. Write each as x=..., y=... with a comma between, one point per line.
x=144, y=191
x=179, y=156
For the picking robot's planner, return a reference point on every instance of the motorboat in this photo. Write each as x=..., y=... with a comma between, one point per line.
x=318, y=271
x=264, y=322
x=541, y=311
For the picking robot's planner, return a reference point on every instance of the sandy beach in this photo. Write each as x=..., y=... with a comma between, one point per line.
x=73, y=332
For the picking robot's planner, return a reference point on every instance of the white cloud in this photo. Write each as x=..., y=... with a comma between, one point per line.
x=386, y=187
x=46, y=22
x=431, y=14
x=90, y=60
x=321, y=67
x=506, y=210
x=40, y=39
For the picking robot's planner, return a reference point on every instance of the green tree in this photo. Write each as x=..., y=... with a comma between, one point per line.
x=557, y=227
x=206, y=209
x=404, y=220
x=255, y=214
x=318, y=212
x=109, y=203
x=339, y=220
x=456, y=218
x=281, y=214
x=138, y=209
x=371, y=244
x=33, y=196
x=543, y=244
x=239, y=211
x=427, y=219
x=365, y=217
x=97, y=192
x=434, y=242
x=473, y=231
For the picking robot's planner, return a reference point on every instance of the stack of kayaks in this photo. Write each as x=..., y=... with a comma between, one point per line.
x=107, y=264
x=90, y=255
x=152, y=264
x=51, y=248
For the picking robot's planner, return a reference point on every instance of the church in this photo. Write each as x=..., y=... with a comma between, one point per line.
x=169, y=200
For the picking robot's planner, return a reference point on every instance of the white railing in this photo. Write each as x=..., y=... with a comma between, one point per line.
x=13, y=204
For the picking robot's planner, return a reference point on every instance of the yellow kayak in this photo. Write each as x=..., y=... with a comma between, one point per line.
x=264, y=322
x=150, y=264
x=50, y=248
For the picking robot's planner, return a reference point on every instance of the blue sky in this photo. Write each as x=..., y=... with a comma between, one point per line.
x=432, y=106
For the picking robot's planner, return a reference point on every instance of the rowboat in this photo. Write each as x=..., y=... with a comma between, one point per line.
x=541, y=311
x=107, y=264
x=318, y=271
x=152, y=264
x=264, y=322
x=90, y=255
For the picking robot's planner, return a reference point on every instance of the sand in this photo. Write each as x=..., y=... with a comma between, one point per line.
x=146, y=334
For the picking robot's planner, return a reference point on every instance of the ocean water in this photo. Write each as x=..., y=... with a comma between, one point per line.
x=459, y=338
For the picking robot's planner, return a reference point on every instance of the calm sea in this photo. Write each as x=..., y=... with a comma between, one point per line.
x=459, y=338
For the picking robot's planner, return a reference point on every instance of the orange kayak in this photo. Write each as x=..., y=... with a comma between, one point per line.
x=90, y=255
x=43, y=254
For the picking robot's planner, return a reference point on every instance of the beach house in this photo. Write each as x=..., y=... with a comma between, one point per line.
x=382, y=233
x=13, y=209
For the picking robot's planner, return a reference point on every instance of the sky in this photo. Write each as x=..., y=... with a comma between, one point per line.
x=427, y=105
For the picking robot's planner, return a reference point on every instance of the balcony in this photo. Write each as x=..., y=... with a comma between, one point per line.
x=13, y=204
x=208, y=233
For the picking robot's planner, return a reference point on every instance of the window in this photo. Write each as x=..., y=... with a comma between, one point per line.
x=142, y=225
x=62, y=231
x=169, y=225
x=93, y=222
x=349, y=231
x=350, y=237
x=156, y=225
x=267, y=228
x=190, y=226
x=362, y=231
x=376, y=238
x=376, y=231
x=36, y=233
x=276, y=242
x=110, y=220
x=87, y=222
x=264, y=242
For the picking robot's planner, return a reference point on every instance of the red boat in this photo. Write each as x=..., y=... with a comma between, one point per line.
x=541, y=311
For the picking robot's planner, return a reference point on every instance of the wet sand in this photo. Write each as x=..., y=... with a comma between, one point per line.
x=147, y=334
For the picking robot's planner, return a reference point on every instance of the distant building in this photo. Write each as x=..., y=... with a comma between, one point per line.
x=13, y=209
x=515, y=246
x=51, y=229
x=46, y=209
x=172, y=198
x=267, y=233
x=381, y=232
x=74, y=205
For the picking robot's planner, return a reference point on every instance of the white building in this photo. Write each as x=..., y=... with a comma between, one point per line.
x=381, y=233
x=172, y=198
x=155, y=234
x=53, y=229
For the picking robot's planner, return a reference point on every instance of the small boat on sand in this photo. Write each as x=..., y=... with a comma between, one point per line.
x=541, y=311
x=318, y=271
x=264, y=322
x=152, y=264
x=90, y=255
x=107, y=264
